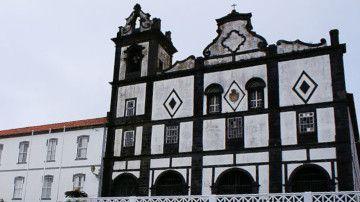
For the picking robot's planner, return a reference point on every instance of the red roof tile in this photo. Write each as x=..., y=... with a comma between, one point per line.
x=55, y=126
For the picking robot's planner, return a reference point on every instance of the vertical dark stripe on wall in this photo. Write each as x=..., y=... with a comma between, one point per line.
x=109, y=150
x=196, y=162
x=342, y=137
x=275, y=168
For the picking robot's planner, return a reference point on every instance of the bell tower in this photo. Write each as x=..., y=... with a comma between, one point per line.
x=144, y=49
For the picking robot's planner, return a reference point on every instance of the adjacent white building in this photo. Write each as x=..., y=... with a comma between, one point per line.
x=43, y=162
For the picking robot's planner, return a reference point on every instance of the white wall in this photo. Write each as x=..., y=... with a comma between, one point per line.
x=63, y=169
x=183, y=86
x=318, y=68
x=241, y=77
x=137, y=91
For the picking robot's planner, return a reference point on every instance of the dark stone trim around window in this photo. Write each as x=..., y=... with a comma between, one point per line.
x=234, y=143
x=309, y=137
x=125, y=106
x=128, y=151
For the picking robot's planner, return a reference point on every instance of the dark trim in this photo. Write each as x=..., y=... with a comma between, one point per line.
x=125, y=106
x=240, y=98
x=308, y=137
x=128, y=151
x=234, y=144
x=171, y=148
x=305, y=100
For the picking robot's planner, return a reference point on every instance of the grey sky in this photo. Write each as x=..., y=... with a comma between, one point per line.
x=56, y=57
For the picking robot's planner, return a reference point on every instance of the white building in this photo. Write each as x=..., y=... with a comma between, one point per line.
x=43, y=162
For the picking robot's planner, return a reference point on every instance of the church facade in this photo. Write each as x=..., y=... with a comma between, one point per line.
x=246, y=117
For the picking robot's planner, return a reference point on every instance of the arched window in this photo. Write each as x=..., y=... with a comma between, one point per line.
x=309, y=178
x=255, y=88
x=213, y=93
x=125, y=185
x=235, y=181
x=133, y=59
x=170, y=183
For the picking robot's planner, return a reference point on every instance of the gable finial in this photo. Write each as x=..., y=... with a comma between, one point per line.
x=234, y=7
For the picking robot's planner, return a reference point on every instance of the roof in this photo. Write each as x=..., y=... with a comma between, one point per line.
x=55, y=126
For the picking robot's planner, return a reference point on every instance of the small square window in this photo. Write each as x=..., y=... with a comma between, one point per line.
x=306, y=122
x=256, y=99
x=172, y=134
x=129, y=138
x=235, y=128
x=130, y=107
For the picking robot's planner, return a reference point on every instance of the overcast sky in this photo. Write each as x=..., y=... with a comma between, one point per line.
x=56, y=57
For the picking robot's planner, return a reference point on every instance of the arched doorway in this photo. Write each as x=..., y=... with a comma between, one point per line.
x=309, y=178
x=170, y=183
x=235, y=181
x=125, y=185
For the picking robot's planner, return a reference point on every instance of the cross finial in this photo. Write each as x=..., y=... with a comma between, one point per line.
x=234, y=6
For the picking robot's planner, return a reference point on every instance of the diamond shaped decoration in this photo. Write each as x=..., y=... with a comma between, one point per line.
x=305, y=87
x=234, y=95
x=233, y=41
x=172, y=103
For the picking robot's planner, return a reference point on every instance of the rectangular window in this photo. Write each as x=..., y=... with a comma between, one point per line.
x=51, y=149
x=256, y=99
x=1, y=150
x=78, y=182
x=130, y=107
x=306, y=122
x=129, y=138
x=171, y=134
x=23, y=149
x=214, y=104
x=18, y=187
x=235, y=128
x=46, y=188
x=82, y=145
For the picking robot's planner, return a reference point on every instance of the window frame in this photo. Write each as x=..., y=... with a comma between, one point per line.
x=213, y=91
x=47, y=186
x=80, y=148
x=82, y=183
x=20, y=194
x=128, y=150
x=23, y=153
x=126, y=107
x=256, y=85
x=171, y=147
x=51, y=151
x=1, y=151
x=235, y=142
x=308, y=137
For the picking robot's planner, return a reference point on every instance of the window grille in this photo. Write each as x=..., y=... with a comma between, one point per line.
x=306, y=122
x=130, y=107
x=18, y=187
x=51, y=149
x=46, y=189
x=172, y=135
x=235, y=128
x=23, y=149
x=82, y=145
x=214, y=104
x=129, y=138
x=256, y=99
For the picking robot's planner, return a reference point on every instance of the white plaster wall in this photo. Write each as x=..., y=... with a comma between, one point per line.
x=181, y=161
x=117, y=142
x=256, y=131
x=264, y=179
x=183, y=86
x=138, y=140
x=326, y=124
x=119, y=165
x=258, y=157
x=318, y=68
x=160, y=163
x=218, y=160
x=206, y=181
x=294, y=155
x=241, y=76
x=137, y=91
x=323, y=153
x=144, y=63
x=186, y=137
x=63, y=169
x=288, y=128
x=214, y=134
x=157, y=139
x=134, y=164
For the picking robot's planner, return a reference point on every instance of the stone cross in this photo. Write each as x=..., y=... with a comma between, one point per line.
x=234, y=6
